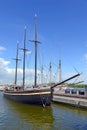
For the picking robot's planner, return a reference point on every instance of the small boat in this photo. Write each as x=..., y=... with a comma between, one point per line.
x=35, y=95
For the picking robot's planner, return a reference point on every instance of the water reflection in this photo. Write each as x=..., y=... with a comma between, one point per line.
x=33, y=115
x=15, y=116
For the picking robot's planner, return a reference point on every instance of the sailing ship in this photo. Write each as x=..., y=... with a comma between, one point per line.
x=35, y=95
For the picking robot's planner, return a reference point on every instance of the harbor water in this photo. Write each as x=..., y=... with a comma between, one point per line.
x=17, y=116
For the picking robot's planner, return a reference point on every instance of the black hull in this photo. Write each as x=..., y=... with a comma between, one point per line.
x=43, y=99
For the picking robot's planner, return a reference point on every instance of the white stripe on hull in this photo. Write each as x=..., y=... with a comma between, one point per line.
x=40, y=93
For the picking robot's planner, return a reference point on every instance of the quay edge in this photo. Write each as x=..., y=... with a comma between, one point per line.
x=73, y=101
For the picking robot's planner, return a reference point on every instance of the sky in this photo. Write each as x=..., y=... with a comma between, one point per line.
x=61, y=29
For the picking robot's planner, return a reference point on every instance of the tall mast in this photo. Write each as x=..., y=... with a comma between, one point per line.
x=24, y=50
x=50, y=70
x=16, y=59
x=24, y=56
x=59, y=70
x=42, y=68
x=59, y=67
x=35, y=43
x=35, y=80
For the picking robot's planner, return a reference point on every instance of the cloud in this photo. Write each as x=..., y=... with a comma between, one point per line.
x=2, y=48
x=3, y=70
x=85, y=56
x=7, y=75
x=3, y=63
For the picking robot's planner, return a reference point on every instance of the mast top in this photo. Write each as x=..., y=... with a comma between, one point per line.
x=35, y=15
x=25, y=27
x=17, y=42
